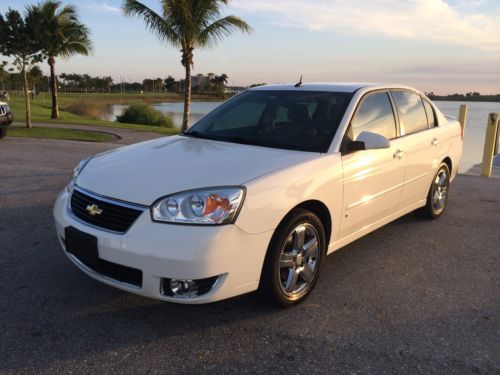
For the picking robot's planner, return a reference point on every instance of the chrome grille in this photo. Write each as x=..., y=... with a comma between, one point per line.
x=114, y=215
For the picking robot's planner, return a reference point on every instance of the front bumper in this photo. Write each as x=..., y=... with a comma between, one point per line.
x=174, y=252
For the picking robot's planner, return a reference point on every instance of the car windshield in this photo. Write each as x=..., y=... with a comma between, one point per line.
x=294, y=120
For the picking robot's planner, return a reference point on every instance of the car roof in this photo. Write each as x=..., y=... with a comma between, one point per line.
x=3, y=103
x=333, y=87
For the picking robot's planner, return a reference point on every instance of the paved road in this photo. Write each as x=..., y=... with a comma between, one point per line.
x=413, y=297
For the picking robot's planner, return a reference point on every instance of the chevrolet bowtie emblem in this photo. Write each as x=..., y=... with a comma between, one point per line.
x=93, y=210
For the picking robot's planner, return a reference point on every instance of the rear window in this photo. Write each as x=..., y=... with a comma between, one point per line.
x=431, y=116
x=412, y=115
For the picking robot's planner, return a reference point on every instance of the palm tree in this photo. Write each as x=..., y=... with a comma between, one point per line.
x=63, y=35
x=187, y=24
x=19, y=41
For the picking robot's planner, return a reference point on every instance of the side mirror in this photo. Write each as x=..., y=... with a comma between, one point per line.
x=373, y=141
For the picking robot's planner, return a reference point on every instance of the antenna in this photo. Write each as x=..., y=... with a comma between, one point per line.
x=300, y=82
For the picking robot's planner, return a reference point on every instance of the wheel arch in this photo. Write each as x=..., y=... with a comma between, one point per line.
x=320, y=210
x=448, y=162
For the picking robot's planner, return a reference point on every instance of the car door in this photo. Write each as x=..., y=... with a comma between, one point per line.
x=372, y=178
x=418, y=142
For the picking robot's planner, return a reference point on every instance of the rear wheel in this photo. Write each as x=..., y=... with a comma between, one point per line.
x=437, y=198
x=3, y=132
x=294, y=258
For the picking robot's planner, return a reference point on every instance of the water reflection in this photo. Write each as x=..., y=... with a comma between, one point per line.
x=176, y=110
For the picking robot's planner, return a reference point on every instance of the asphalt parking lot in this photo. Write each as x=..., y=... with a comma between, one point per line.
x=413, y=297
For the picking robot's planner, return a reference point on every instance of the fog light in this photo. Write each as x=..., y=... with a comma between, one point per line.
x=187, y=288
x=183, y=288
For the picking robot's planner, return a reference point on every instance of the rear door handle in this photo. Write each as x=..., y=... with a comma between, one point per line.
x=398, y=154
x=434, y=142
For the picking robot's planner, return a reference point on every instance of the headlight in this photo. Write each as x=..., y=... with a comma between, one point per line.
x=78, y=169
x=209, y=206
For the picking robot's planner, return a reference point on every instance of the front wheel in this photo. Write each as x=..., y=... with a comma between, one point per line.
x=437, y=198
x=3, y=132
x=294, y=258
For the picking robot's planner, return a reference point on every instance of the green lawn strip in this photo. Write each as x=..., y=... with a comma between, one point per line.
x=41, y=108
x=56, y=133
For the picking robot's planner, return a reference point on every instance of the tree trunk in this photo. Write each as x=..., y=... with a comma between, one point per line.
x=53, y=88
x=187, y=96
x=27, y=97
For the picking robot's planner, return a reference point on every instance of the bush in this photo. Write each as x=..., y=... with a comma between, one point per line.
x=143, y=114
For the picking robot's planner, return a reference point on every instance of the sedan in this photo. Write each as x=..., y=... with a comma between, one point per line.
x=255, y=195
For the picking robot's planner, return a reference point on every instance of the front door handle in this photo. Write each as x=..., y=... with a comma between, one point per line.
x=398, y=154
x=434, y=142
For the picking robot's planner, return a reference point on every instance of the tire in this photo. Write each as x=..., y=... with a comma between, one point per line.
x=288, y=275
x=3, y=132
x=437, y=198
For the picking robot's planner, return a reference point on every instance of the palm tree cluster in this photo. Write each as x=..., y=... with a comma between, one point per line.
x=85, y=83
x=153, y=84
x=187, y=25
x=220, y=81
x=46, y=31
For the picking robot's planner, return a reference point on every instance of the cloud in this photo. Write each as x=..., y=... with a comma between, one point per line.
x=102, y=7
x=431, y=20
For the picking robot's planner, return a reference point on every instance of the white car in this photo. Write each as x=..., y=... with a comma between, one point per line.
x=258, y=192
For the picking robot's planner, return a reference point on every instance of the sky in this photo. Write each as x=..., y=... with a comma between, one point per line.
x=444, y=46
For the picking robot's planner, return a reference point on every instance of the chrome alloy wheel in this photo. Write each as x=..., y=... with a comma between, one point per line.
x=299, y=260
x=440, y=190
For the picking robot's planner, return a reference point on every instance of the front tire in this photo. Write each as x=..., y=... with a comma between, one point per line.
x=437, y=198
x=293, y=259
x=3, y=132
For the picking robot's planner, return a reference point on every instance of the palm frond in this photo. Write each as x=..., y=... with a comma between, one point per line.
x=154, y=22
x=217, y=30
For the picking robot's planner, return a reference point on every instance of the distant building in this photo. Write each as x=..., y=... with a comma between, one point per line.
x=202, y=80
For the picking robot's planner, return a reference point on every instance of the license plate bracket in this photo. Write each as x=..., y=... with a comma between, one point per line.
x=82, y=245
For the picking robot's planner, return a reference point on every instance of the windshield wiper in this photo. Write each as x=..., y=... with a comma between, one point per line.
x=197, y=134
x=240, y=140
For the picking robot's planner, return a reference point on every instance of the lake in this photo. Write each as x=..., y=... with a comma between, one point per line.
x=474, y=131
x=176, y=110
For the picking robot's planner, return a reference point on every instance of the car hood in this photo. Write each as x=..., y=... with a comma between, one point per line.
x=146, y=171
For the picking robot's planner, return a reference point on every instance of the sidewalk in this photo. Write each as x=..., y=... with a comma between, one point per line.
x=124, y=136
x=495, y=171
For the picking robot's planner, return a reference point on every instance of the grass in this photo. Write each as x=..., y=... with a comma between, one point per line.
x=59, y=133
x=85, y=109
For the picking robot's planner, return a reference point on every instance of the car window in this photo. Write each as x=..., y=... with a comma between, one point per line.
x=412, y=115
x=431, y=116
x=374, y=115
x=2, y=110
